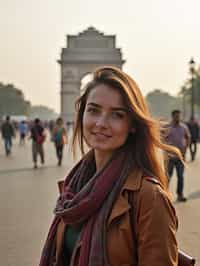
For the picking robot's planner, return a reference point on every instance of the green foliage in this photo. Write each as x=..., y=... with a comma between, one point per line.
x=12, y=101
x=186, y=90
x=197, y=90
x=42, y=112
x=162, y=103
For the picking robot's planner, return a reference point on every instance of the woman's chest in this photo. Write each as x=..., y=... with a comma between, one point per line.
x=120, y=245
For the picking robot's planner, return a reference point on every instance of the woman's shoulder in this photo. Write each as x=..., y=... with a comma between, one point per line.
x=152, y=189
x=153, y=198
x=147, y=189
x=151, y=185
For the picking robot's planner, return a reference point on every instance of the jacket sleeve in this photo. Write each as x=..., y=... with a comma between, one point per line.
x=156, y=225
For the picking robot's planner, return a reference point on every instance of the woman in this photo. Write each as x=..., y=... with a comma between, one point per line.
x=59, y=136
x=111, y=212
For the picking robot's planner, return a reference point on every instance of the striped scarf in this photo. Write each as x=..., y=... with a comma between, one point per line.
x=87, y=199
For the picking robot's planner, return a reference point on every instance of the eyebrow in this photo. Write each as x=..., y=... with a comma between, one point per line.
x=112, y=108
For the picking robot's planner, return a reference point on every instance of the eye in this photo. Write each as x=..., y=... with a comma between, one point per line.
x=118, y=115
x=92, y=110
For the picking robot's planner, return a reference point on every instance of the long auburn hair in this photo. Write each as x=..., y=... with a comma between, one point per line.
x=147, y=140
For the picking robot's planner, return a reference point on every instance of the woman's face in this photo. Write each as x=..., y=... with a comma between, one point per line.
x=106, y=122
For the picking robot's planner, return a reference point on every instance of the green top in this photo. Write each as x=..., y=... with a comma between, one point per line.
x=71, y=235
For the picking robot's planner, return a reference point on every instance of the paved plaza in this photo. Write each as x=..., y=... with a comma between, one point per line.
x=27, y=198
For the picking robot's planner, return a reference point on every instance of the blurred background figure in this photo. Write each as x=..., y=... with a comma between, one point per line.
x=23, y=131
x=38, y=138
x=178, y=136
x=59, y=137
x=51, y=126
x=194, y=132
x=8, y=132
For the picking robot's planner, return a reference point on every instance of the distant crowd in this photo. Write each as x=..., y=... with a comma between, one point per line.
x=36, y=131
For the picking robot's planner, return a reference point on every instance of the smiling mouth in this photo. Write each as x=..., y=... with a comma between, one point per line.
x=101, y=135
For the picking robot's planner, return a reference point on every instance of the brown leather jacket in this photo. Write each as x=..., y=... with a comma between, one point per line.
x=155, y=227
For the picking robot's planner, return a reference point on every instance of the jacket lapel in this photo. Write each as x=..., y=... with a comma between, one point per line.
x=121, y=206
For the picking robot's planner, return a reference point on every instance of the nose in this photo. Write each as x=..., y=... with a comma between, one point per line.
x=102, y=121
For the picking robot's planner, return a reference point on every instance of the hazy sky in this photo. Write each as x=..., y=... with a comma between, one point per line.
x=157, y=37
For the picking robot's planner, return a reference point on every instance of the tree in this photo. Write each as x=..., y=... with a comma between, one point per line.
x=186, y=90
x=162, y=103
x=42, y=112
x=12, y=101
x=196, y=85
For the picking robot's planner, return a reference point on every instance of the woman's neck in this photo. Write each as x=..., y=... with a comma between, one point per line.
x=101, y=158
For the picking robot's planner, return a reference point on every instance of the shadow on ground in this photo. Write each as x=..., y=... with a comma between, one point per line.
x=28, y=169
x=194, y=195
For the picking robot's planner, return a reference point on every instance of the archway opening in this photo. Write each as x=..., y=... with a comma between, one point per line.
x=86, y=78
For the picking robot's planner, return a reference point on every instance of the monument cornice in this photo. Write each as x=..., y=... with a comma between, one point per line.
x=69, y=92
x=71, y=62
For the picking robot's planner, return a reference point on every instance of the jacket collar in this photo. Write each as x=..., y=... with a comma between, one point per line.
x=133, y=183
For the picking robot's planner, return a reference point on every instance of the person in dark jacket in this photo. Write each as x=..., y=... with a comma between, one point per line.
x=7, y=132
x=38, y=138
x=194, y=132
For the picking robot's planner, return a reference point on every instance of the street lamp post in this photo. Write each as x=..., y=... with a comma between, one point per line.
x=192, y=72
x=183, y=101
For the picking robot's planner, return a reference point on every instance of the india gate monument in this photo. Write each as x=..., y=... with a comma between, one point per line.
x=84, y=52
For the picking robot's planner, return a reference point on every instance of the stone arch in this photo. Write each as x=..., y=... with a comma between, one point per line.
x=84, y=52
x=84, y=80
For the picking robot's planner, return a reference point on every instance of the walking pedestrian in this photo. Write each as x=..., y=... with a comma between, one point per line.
x=23, y=130
x=195, y=134
x=120, y=175
x=51, y=126
x=7, y=132
x=38, y=138
x=178, y=136
x=59, y=137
